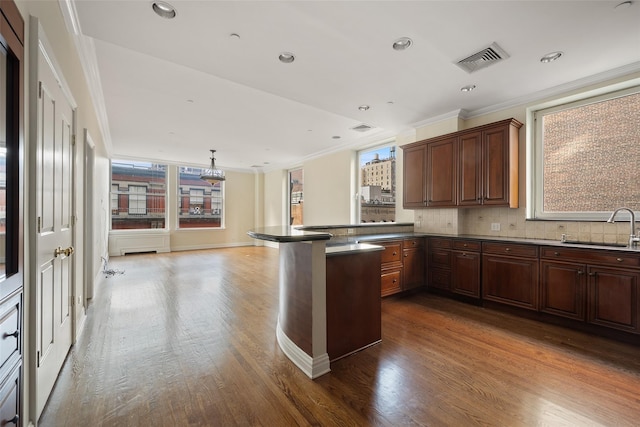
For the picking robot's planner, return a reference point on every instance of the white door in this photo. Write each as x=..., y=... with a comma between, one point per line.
x=54, y=171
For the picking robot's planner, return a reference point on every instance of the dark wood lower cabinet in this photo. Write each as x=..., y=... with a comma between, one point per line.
x=353, y=303
x=563, y=289
x=402, y=265
x=613, y=298
x=465, y=273
x=509, y=280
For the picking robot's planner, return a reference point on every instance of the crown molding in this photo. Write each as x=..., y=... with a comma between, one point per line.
x=86, y=52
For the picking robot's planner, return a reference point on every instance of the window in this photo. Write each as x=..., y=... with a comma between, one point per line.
x=200, y=204
x=137, y=200
x=585, y=157
x=138, y=193
x=296, y=196
x=377, y=184
x=114, y=199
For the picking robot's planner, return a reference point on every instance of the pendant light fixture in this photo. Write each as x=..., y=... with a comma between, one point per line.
x=213, y=175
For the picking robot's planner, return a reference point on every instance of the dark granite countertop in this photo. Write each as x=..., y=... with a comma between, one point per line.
x=350, y=249
x=538, y=242
x=287, y=234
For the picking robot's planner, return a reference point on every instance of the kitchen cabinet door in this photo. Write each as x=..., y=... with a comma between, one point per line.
x=441, y=173
x=414, y=192
x=465, y=273
x=413, y=268
x=563, y=289
x=470, y=166
x=512, y=281
x=613, y=298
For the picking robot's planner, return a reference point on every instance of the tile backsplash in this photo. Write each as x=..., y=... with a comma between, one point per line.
x=512, y=223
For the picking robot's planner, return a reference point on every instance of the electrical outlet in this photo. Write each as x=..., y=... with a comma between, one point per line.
x=495, y=226
x=350, y=230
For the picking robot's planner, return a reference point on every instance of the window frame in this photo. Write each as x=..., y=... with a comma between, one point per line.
x=136, y=196
x=535, y=149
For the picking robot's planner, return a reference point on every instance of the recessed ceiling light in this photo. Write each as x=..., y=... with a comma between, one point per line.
x=164, y=10
x=467, y=88
x=623, y=5
x=550, y=57
x=286, y=57
x=402, y=43
x=363, y=107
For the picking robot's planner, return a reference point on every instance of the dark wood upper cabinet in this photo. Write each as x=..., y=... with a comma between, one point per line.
x=474, y=167
x=414, y=191
x=470, y=163
x=441, y=173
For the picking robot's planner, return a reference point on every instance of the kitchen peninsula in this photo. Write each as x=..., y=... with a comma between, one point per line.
x=329, y=297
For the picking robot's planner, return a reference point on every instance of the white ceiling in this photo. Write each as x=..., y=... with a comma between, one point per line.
x=173, y=89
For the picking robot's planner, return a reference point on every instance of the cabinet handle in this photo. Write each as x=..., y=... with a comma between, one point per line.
x=556, y=253
x=507, y=249
x=464, y=254
x=405, y=255
x=395, y=280
x=14, y=420
x=465, y=245
x=580, y=272
x=592, y=274
x=395, y=253
x=619, y=259
x=14, y=334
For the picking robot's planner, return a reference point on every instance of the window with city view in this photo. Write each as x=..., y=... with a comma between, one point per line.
x=138, y=194
x=377, y=184
x=200, y=204
x=296, y=196
x=587, y=157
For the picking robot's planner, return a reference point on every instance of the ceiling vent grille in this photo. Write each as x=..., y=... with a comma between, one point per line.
x=479, y=60
x=362, y=128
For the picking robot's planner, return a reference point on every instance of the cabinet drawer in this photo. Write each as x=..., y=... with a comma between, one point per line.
x=9, y=330
x=591, y=256
x=436, y=242
x=10, y=398
x=392, y=252
x=503, y=248
x=467, y=245
x=390, y=282
x=413, y=243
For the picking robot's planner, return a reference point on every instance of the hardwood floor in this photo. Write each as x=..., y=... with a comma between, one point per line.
x=188, y=339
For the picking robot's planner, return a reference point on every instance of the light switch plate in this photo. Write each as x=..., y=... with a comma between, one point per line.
x=495, y=226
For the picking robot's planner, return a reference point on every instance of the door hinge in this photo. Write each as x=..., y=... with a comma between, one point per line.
x=74, y=219
x=38, y=358
x=40, y=89
x=39, y=225
x=73, y=140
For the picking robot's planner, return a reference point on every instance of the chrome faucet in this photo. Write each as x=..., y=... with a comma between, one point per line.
x=633, y=238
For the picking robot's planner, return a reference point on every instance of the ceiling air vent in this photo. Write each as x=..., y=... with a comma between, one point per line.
x=362, y=128
x=487, y=56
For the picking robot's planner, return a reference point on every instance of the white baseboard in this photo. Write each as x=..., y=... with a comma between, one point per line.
x=209, y=246
x=314, y=367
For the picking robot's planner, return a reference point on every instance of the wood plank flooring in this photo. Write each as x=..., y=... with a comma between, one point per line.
x=188, y=339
